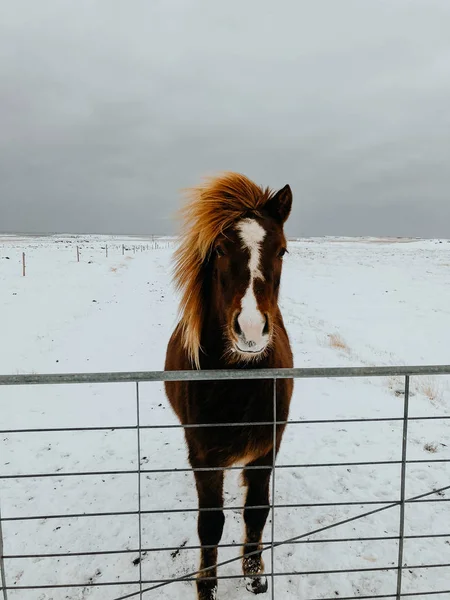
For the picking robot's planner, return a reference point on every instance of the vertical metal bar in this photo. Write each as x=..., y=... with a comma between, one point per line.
x=274, y=457
x=2, y=562
x=138, y=430
x=402, y=491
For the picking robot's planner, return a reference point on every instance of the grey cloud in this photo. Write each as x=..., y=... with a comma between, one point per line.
x=108, y=109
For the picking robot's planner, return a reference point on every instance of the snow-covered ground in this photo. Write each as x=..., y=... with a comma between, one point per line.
x=345, y=303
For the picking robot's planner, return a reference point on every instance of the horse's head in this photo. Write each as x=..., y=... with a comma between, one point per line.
x=246, y=262
x=228, y=266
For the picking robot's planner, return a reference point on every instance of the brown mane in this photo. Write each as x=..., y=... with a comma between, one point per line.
x=211, y=208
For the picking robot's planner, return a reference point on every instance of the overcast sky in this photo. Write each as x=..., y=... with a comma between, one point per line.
x=109, y=107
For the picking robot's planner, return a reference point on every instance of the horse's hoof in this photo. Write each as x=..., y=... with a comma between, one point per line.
x=257, y=584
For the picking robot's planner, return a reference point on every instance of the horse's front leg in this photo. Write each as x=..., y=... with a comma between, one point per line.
x=257, y=482
x=210, y=526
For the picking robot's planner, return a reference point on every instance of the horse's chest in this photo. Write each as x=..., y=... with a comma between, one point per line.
x=238, y=403
x=241, y=417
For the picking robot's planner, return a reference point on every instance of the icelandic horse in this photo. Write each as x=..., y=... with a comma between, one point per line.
x=227, y=269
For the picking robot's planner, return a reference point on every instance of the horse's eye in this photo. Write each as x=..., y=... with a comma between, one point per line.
x=282, y=252
x=219, y=251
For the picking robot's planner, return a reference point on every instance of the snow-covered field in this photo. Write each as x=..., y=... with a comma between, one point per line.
x=345, y=303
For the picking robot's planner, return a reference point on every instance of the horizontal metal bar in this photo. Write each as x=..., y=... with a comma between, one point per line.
x=123, y=551
x=240, y=424
x=115, y=583
x=359, y=570
x=74, y=474
x=425, y=536
x=56, y=586
x=282, y=574
x=201, y=469
x=368, y=463
x=164, y=511
x=419, y=461
x=386, y=538
x=204, y=425
x=286, y=466
x=420, y=501
x=67, y=429
x=372, y=597
x=432, y=593
x=205, y=375
x=429, y=500
x=379, y=596
x=384, y=506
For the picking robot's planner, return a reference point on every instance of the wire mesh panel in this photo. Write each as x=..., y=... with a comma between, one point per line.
x=126, y=572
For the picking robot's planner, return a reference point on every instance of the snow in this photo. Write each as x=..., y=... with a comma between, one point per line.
x=346, y=302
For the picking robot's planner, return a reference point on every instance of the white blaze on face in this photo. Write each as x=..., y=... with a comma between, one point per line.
x=251, y=321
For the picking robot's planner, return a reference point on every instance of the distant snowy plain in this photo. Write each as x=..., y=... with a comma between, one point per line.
x=346, y=302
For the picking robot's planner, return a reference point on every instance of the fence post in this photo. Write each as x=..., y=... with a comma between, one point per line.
x=23, y=264
x=2, y=562
x=78, y=254
x=123, y=249
x=106, y=248
x=402, y=491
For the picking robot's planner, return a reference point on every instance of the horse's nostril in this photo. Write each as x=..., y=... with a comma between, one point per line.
x=237, y=327
x=266, y=326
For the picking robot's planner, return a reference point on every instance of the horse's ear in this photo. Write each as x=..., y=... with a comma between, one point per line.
x=279, y=206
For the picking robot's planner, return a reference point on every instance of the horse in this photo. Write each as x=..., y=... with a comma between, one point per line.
x=227, y=269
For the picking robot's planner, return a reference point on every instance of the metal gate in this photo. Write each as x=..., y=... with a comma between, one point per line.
x=145, y=585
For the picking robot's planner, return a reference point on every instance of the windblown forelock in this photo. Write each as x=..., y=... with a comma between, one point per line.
x=211, y=208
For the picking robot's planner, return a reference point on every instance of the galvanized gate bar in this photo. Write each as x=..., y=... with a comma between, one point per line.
x=200, y=425
x=141, y=376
